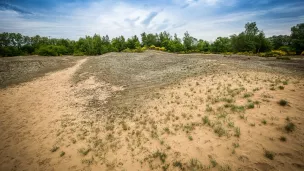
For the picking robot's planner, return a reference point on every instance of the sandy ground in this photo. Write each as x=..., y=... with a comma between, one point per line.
x=212, y=114
x=31, y=117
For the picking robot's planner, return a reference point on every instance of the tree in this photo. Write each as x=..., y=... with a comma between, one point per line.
x=175, y=45
x=188, y=41
x=279, y=41
x=203, y=46
x=251, y=40
x=297, y=38
x=119, y=44
x=221, y=44
x=133, y=42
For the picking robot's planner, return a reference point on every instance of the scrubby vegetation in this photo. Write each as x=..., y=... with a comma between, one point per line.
x=252, y=41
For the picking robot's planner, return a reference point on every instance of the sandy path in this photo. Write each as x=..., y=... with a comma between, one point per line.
x=29, y=117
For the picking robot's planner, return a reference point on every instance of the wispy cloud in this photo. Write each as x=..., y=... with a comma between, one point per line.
x=149, y=18
x=6, y=6
x=205, y=19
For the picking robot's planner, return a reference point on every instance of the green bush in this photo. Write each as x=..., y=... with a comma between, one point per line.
x=9, y=51
x=162, y=49
x=78, y=53
x=52, y=50
x=152, y=47
x=274, y=53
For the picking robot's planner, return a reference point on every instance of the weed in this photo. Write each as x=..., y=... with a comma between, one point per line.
x=264, y=122
x=290, y=127
x=231, y=124
x=236, y=145
x=270, y=155
x=89, y=161
x=178, y=164
x=272, y=88
x=213, y=162
x=256, y=89
x=281, y=87
x=242, y=116
x=124, y=126
x=250, y=106
x=282, y=138
x=165, y=167
x=208, y=108
x=206, y=120
x=167, y=130
x=220, y=131
x=225, y=168
x=252, y=124
x=84, y=151
x=62, y=153
x=285, y=82
x=73, y=140
x=287, y=119
x=222, y=115
x=246, y=95
x=195, y=164
x=236, y=108
x=283, y=102
x=190, y=138
x=228, y=100
x=162, y=156
x=54, y=148
x=237, y=131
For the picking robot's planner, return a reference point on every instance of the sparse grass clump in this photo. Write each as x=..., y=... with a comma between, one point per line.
x=290, y=127
x=237, y=131
x=250, y=106
x=54, y=148
x=84, y=151
x=236, y=145
x=231, y=124
x=285, y=82
x=209, y=108
x=178, y=164
x=162, y=156
x=246, y=95
x=270, y=155
x=283, y=139
x=236, y=108
x=283, y=102
x=206, y=120
x=62, y=153
x=281, y=87
x=264, y=122
x=220, y=131
x=195, y=164
x=213, y=162
x=190, y=138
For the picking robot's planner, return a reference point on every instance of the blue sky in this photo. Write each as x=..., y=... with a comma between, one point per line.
x=204, y=19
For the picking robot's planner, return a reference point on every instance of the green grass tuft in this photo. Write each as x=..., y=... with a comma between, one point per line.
x=270, y=155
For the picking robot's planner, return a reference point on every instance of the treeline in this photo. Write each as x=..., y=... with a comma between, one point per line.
x=250, y=41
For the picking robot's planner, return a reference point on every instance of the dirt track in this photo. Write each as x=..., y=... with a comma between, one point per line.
x=29, y=119
x=148, y=111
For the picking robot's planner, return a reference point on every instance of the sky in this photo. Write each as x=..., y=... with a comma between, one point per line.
x=203, y=19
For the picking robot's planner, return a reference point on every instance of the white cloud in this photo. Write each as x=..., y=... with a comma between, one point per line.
x=121, y=18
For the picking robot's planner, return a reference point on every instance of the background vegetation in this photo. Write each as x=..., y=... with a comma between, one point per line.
x=249, y=42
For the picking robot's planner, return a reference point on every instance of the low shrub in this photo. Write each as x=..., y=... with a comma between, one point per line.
x=52, y=50
x=78, y=53
x=152, y=47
